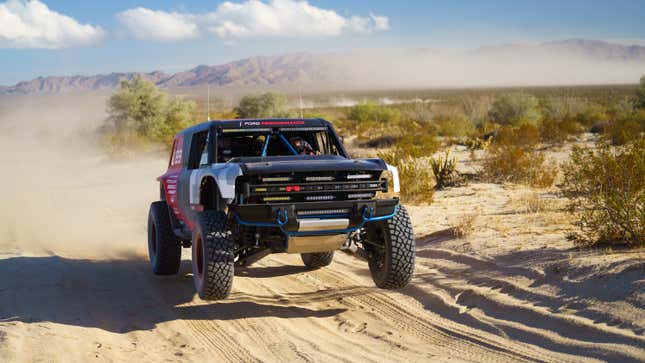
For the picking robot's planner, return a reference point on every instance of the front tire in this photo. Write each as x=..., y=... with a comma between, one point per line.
x=164, y=248
x=213, y=255
x=317, y=260
x=391, y=250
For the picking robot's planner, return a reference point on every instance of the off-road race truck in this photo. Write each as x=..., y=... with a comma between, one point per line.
x=238, y=190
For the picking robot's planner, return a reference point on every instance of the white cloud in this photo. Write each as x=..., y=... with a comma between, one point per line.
x=286, y=18
x=31, y=24
x=248, y=19
x=146, y=24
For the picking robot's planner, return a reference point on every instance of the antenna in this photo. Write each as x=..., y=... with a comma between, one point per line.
x=300, y=97
x=208, y=104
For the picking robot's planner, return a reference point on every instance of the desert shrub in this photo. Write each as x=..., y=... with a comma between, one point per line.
x=476, y=108
x=420, y=112
x=417, y=145
x=622, y=131
x=140, y=114
x=640, y=95
x=416, y=180
x=554, y=130
x=515, y=109
x=606, y=190
x=590, y=115
x=465, y=226
x=525, y=135
x=512, y=163
x=267, y=105
x=371, y=111
x=444, y=169
x=454, y=125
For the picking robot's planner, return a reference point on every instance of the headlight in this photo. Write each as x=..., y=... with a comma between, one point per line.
x=393, y=188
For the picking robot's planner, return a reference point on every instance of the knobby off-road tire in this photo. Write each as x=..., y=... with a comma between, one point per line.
x=391, y=250
x=317, y=260
x=164, y=248
x=213, y=255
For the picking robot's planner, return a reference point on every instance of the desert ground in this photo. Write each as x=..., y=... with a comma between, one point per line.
x=495, y=280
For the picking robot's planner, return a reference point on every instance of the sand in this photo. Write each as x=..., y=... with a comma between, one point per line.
x=76, y=286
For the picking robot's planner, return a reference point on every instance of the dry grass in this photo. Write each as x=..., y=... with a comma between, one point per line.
x=465, y=226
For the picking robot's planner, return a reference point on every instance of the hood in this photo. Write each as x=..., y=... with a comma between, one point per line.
x=300, y=163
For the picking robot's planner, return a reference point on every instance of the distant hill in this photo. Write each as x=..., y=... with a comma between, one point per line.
x=311, y=70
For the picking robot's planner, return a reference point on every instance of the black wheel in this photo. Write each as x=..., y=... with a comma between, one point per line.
x=213, y=255
x=390, y=247
x=164, y=248
x=317, y=260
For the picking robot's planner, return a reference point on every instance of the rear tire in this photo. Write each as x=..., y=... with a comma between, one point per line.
x=164, y=248
x=317, y=260
x=213, y=255
x=391, y=250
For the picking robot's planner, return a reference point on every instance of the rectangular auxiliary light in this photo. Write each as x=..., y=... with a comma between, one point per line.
x=276, y=179
x=319, y=178
x=322, y=211
x=360, y=195
x=359, y=176
x=275, y=199
x=319, y=197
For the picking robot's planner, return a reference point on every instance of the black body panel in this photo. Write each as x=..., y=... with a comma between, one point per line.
x=303, y=163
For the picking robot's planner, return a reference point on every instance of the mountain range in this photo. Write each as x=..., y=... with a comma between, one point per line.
x=313, y=69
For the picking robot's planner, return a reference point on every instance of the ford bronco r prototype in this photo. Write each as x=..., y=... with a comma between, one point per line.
x=236, y=191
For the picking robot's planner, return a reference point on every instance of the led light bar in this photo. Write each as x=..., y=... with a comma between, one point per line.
x=275, y=199
x=303, y=129
x=319, y=178
x=276, y=179
x=322, y=211
x=359, y=176
x=360, y=195
x=319, y=197
x=226, y=131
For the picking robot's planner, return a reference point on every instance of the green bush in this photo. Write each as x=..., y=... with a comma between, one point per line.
x=267, y=105
x=455, y=125
x=371, y=111
x=515, y=109
x=417, y=144
x=606, y=190
x=139, y=113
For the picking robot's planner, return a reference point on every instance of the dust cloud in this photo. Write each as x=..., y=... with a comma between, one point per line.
x=397, y=69
x=59, y=193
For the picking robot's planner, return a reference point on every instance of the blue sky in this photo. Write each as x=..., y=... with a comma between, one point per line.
x=104, y=36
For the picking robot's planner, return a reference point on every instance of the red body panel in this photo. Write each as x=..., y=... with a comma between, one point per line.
x=170, y=178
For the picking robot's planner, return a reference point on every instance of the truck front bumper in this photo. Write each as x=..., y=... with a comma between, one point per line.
x=315, y=218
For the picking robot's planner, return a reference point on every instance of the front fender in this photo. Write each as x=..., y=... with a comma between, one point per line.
x=224, y=175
